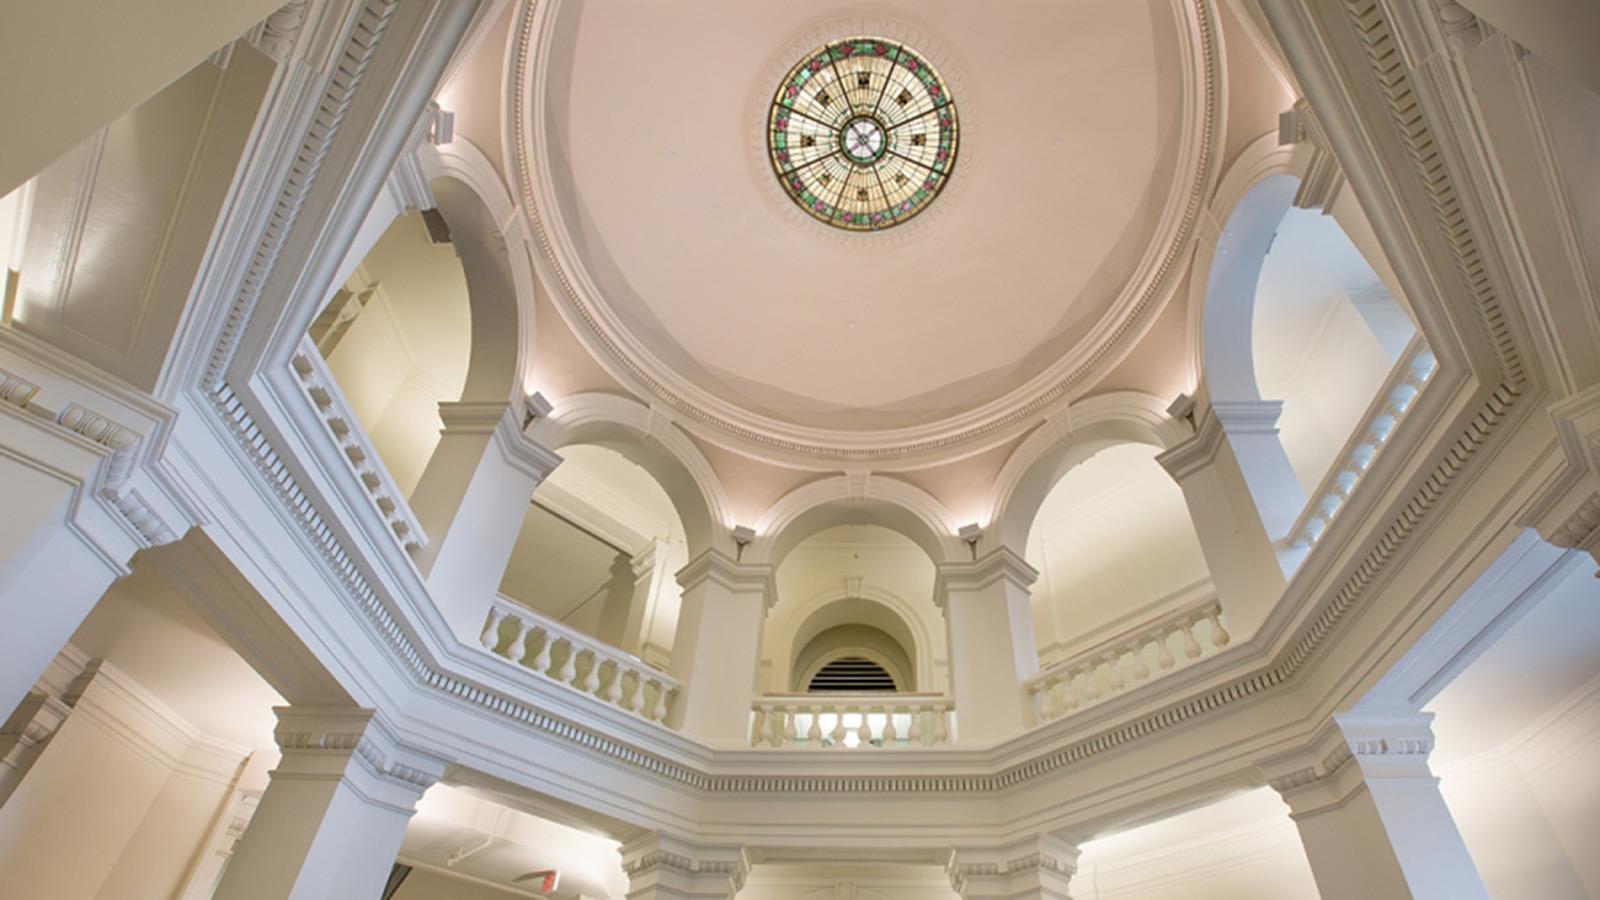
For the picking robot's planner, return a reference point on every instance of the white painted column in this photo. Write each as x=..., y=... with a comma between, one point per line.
x=632, y=598
x=1037, y=868
x=471, y=501
x=662, y=867
x=1243, y=561
x=1370, y=814
x=1251, y=427
x=59, y=549
x=332, y=818
x=989, y=623
x=716, y=655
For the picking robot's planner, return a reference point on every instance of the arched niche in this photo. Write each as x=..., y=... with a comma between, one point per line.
x=913, y=623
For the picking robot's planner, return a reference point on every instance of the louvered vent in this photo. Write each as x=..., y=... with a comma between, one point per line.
x=852, y=674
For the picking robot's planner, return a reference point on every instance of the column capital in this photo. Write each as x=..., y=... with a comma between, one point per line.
x=1568, y=514
x=1248, y=416
x=321, y=743
x=1000, y=564
x=718, y=568
x=1036, y=867
x=665, y=867
x=1197, y=451
x=502, y=421
x=1354, y=751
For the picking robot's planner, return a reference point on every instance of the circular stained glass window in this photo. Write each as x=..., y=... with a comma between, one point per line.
x=863, y=133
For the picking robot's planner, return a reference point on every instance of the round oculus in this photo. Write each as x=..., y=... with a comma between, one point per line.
x=863, y=133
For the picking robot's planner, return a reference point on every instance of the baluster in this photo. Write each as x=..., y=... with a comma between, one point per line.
x=814, y=733
x=864, y=730
x=890, y=735
x=941, y=724
x=1219, y=635
x=1164, y=651
x=758, y=723
x=490, y=639
x=591, y=678
x=838, y=732
x=1191, y=647
x=1060, y=692
x=916, y=733
x=1069, y=694
x=569, y=666
x=614, y=689
x=787, y=735
x=518, y=651
x=663, y=697
x=636, y=696
x=1141, y=670
x=1091, y=684
x=1114, y=666
x=541, y=663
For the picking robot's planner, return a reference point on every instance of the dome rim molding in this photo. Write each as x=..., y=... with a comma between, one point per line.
x=726, y=424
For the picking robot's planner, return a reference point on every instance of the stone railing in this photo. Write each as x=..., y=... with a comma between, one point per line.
x=1399, y=391
x=854, y=721
x=580, y=662
x=1118, y=663
x=355, y=447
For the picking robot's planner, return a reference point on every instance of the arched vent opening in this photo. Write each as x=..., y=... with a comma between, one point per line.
x=852, y=674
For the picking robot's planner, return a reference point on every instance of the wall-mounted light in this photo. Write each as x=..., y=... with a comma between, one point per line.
x=443, y=129
x=743, y=535
x=971, y=534
x=1182, y=407
x=536, y=407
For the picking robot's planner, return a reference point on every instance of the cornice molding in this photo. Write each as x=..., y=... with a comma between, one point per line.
x=715, y=567
x=1000, y=564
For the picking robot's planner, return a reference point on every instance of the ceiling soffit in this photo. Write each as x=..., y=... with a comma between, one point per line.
x=599, y=290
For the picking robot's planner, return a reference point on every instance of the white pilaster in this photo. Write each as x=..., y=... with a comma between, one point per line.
x=1241, y=556
x=333, y=815
x=1037, y=868
x=662, y=867
x=989, y=623
x=716, y=655
x=471, y=501
x=1370, y=814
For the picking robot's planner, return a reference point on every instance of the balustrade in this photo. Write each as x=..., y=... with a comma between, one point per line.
x=1128, y=659
x=1394, y=399
x=578, y=661
x=853, y=721
x=362, y=458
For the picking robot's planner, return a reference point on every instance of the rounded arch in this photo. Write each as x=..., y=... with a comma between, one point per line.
x=894, y=668
x=500, y=283
x=655, y=445
x=1087, y=427
x=844, y=500
x=895, y=615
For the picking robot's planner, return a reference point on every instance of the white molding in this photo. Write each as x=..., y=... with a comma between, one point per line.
x=720, y=421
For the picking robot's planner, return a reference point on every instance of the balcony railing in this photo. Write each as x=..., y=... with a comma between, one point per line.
x=1393, y=400
x=578, y=661
x=356, y=449
x=853, y=721
x=1127, y=659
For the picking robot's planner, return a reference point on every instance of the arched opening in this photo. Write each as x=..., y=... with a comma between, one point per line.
x=597, y=551
x=1326, y=331
x=1302, y=337
x=397, y=339
x=1115, y=549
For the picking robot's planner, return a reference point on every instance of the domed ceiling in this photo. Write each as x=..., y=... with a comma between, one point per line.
x=677, y=256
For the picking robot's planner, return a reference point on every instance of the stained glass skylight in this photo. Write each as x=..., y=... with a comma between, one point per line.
x=862, y=133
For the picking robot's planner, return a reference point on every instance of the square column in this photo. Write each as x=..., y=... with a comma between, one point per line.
x=332, y=818
x=716, y=655
x=1244, y=562
x=1370, y=814
x=663, y=867
x=1037, y=868
x=989, y=621
x=471, y=502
